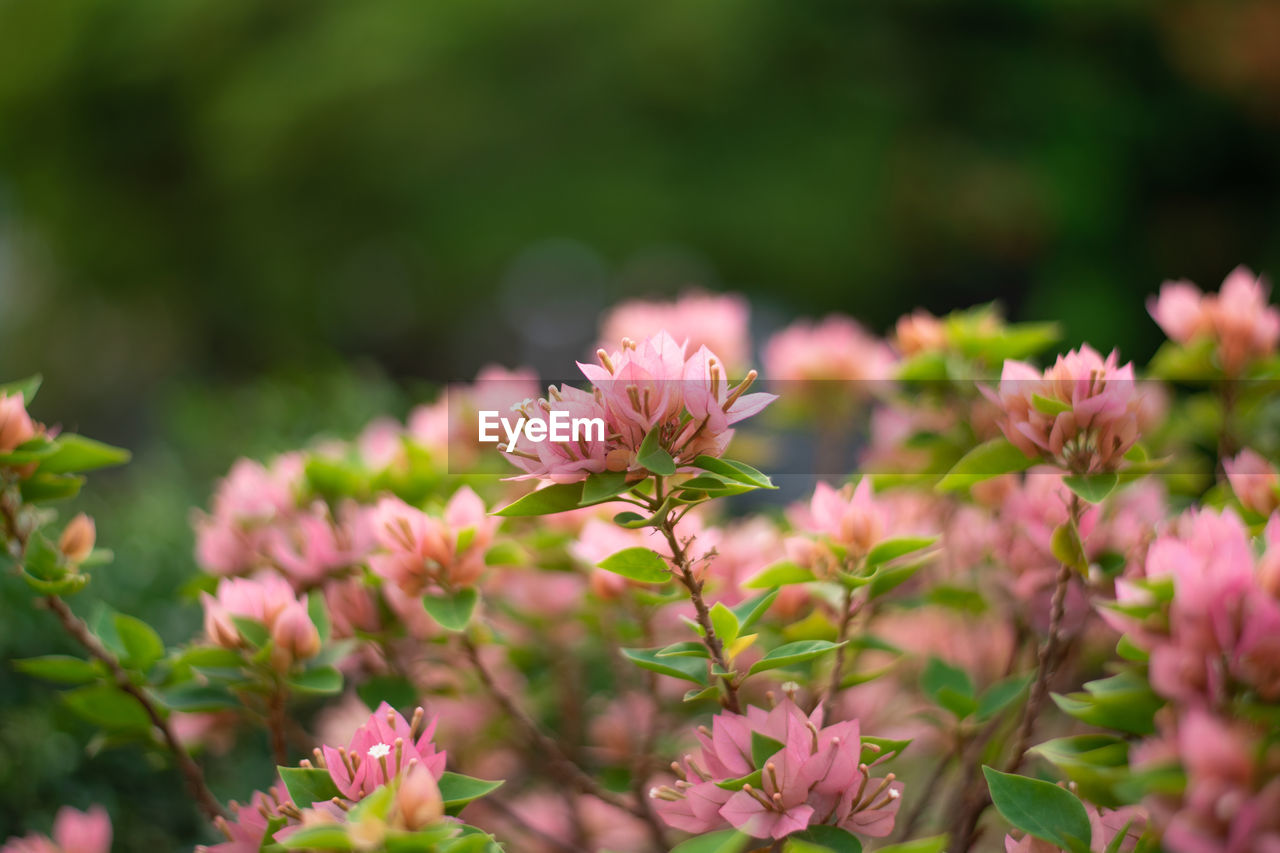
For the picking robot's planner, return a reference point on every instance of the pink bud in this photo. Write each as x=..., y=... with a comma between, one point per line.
x=418, y=800
x=15, y=424
x=217, y=623
x=77, y=539
x=294, y=635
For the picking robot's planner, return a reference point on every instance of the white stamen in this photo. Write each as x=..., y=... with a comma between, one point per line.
x=379, y=750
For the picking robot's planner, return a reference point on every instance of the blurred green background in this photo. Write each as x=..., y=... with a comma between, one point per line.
x=228, y=224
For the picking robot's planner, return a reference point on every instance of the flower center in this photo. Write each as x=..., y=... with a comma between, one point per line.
x=379, y=750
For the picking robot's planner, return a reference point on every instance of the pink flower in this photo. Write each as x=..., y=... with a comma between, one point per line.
x=246, y=832
x=919, y=332
x=1081, y=414
x=418, y=801
x=834, y=349
x=382, y=749
x=563, y=462
x=816, y=776
x=73, y=832
x=1254, y=481
x=419, y=551
x=16, y=427
x=849, y=517
x=715, y=321
x=313, y=545
x=1238, y=319
x=1106, y=825
x=261, y=599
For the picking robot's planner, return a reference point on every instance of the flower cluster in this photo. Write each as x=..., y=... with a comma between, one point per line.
x=1237, y=321
x=773, y=773
x=73, y=832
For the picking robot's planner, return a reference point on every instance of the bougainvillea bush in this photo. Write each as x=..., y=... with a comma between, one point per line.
x=944, y=591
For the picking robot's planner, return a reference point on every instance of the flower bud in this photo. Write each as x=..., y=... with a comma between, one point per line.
x=418, y=801
x=217, y=623
x=295, y=636
x=15, y=424
x=76, y=542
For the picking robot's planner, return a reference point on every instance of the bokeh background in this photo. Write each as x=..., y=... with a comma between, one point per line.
x=226, y=225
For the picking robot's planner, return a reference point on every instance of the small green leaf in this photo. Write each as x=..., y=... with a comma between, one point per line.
x=26, y=387
x=934, y=844
x=732, y=469
x=881, y=747
x=638, y=564
x=793, y=653
x=62, y=669
x=319, y=615
x=76, y=453
x=307, y=785
x=602, y=486
x=724, y=841
x=991, y=459
x=457, y=790
x=1067, y=547
x=142, y=644
x=1093, y=488
x=1039, y=808
x=763, y=748
x=324, y=837
x=505, y=554
x=396, y=690
x=193, y=698
x=938, y=674
x=323, y=680
x=652, y=455
x=689, y=669
x=1047, y=406
x=452, y=612
x=686, y=649
x=559, y=497
x=892, y=549
x=725, y=623
x=253, y=631
x=780, y=574
x=43, y=487
x=998, y=696
x=750, y=611
x=105, y=706
x=827, y=838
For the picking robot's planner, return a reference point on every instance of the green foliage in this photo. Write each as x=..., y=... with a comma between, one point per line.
x=1041, y=809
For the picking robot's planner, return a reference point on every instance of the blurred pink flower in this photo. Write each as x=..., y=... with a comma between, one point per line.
x=919, y=332
x=1238, y=319
x=833, y=349
x=1254, y=481
x=850, y=517
x=718, y=322
x=247, y=830
x=262, y=599
x=816, y=776
x=73, y=832
x=1081, y=414
x=16, y=426
x=419, y=551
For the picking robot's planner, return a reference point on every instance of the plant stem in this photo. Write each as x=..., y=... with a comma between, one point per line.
x=846, y=617
x=276, y=724
x=560, y=762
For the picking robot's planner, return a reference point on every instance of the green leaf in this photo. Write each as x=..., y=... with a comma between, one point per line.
x=505, y=554
x=725, y=623
x=763, y=748
x=892, y=549
x=652, y=455
x=457, y=790
x=307, y=785
x=43, y=487
x=559, y=497
x=252, y=630
x=689, y=669
x=826, y=838
x=934, y=844
x=686, y=649
x=724, y=841
x=886, y=580
x=602, y=486
x=452, y=612
x=1046, y=406
x=396, y=690
x=323, y=680
x=1067, y=547
x=793, y=653
x=998, y=696
x=76, y=453
x=750, y=611
x=106, y=707
x=26, y=387
x=881, y=747
x=780, y=574
x=638, y=564
x=319, y=615
x=939, y=675
x=990, y=459
x=324, y=837
x=738, y=472
x=1093, y=488
x=193, y=697
x=142, y=644
x=1039, y=808
x=62, y=669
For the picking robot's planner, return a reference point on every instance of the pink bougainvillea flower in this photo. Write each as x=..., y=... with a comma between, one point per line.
x=816, y=776
x=1254, y=481
x=849, y=516
x=418, y=550
x=16, y=426
x=1237, y=319
x=563, y=462
x=313, y=545
x=1082, y=414
x=919, y=332
x=833, y=349
x=247, y=829
x=718, y=322
x=383, y=748
x=1106, y=825
x=73, y=832
x=269, y=600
